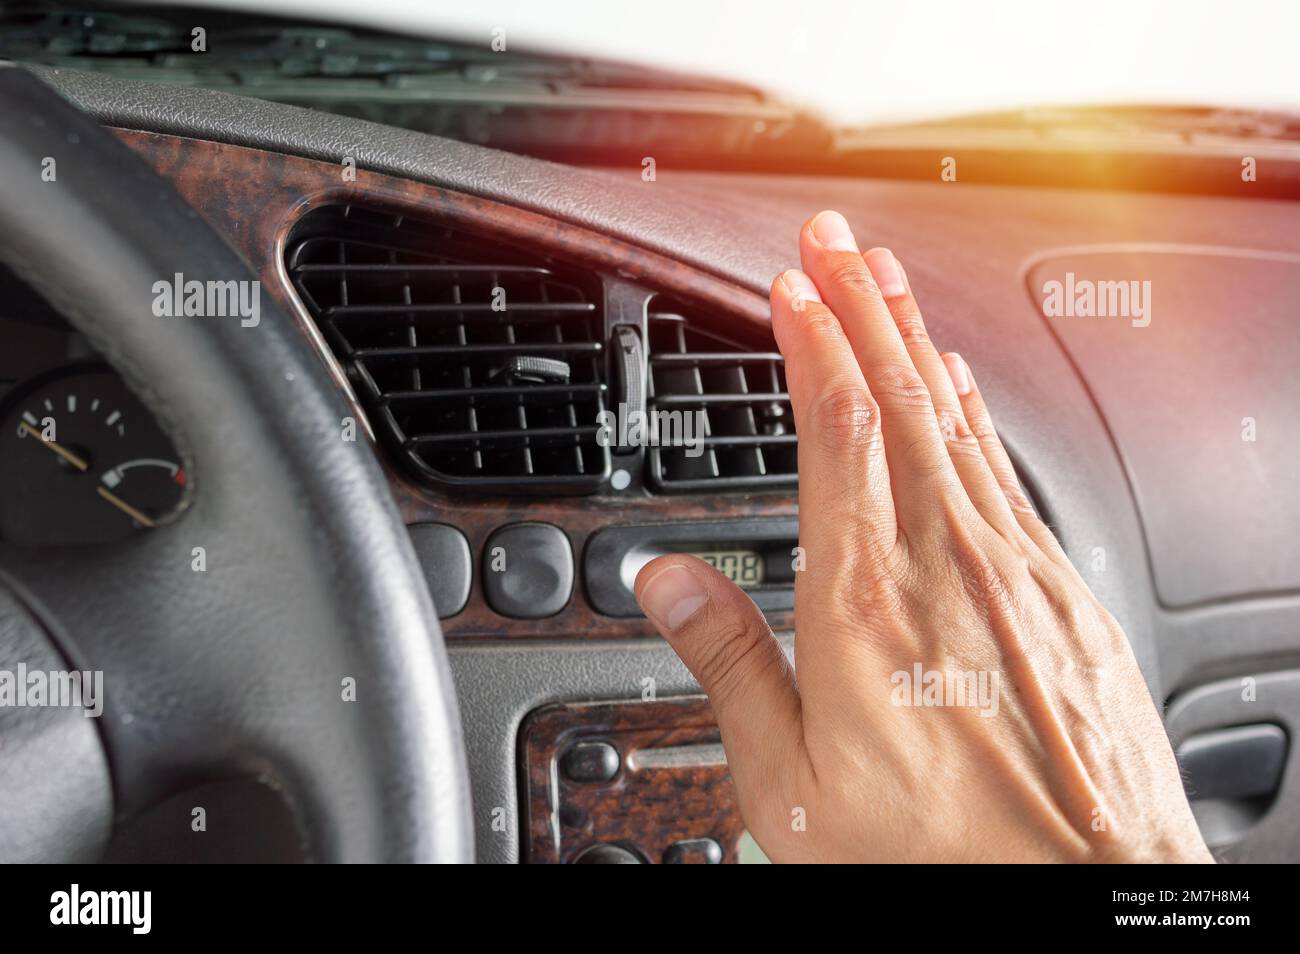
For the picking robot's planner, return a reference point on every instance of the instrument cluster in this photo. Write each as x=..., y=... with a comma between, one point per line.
x=82, y=460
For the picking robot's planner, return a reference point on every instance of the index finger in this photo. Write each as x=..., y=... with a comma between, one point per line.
x=844, y=495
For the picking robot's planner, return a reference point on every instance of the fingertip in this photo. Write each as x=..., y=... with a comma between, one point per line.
x=652, y=569
x=669, y=593
x=886, y=271
x=831, y=231
x=798, y=288
x=958, y=372
x=907, y=282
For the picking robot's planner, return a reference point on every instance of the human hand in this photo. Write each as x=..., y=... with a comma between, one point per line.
x=923, y=557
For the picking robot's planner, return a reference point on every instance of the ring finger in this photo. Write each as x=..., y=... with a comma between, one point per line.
x=963, y=446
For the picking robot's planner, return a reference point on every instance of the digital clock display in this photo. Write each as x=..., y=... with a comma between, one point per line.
x=742, y=567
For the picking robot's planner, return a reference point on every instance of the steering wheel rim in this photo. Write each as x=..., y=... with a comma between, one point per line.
x=309, y=577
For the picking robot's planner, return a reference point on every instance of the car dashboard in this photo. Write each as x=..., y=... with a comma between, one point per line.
x=393, y=251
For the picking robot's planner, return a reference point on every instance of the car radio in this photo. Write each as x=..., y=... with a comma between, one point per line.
x=758, y=555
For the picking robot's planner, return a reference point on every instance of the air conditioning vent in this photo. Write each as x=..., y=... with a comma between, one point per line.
x=740, y=393
x=482, y=366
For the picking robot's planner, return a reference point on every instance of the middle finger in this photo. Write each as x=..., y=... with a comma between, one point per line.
x=920, y=471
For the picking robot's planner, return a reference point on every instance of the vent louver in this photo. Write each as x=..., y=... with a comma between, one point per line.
x=741, y=396
x=483, y=366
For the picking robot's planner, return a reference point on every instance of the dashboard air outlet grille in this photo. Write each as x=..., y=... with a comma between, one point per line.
x=740, y=396
x=482, y=365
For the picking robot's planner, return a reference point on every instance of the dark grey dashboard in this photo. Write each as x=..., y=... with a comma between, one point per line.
x=1088, y=441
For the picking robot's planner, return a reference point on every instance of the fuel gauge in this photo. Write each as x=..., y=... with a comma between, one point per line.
x=83, y=461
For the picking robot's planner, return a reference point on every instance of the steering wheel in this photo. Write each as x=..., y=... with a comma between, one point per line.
x=302, y=647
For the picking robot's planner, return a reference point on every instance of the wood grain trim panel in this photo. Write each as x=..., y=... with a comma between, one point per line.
x=650, y=803
x=254, y=198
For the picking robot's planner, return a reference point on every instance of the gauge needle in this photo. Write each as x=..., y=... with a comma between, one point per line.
x=63, y=452
x=80, y=464
x=123, y=506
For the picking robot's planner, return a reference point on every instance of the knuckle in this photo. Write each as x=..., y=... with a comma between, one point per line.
x=957, y=433
x=911, y=327
x=846, y=415
x=982, y=428
x=820, y=322
x=852, y=273
x=900, y=386
x=967, y=452
x=1076, y=615
x=870, y=595
x=992, y=583
x=1018, y=500
x=1016, y=497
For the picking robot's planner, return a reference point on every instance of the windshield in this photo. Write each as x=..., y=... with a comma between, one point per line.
x=868, y=62
x=803, y=85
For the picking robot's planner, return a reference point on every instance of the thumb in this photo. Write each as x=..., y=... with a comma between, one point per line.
x=725, y=642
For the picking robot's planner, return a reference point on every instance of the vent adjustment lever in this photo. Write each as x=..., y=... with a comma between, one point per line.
x=628, y=373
